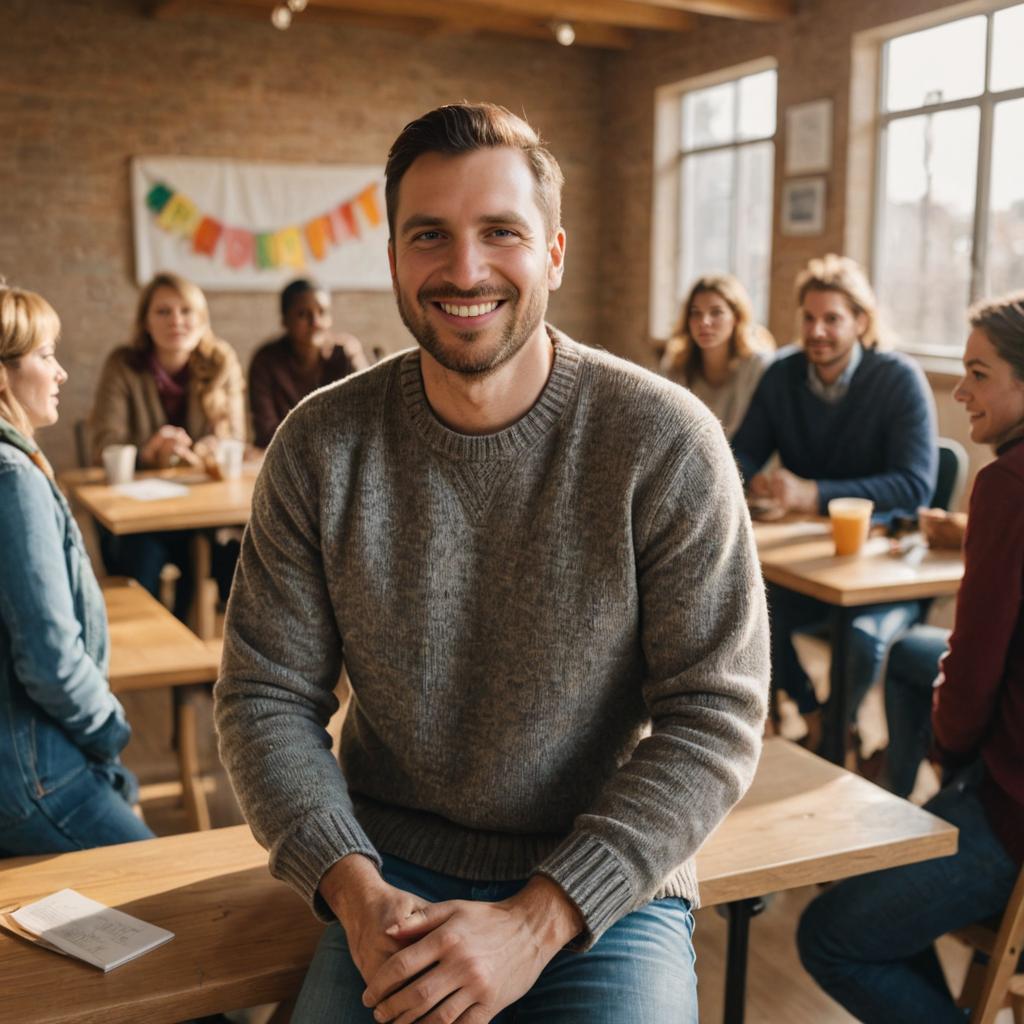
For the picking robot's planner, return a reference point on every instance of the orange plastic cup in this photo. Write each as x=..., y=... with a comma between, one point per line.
x=851, y=520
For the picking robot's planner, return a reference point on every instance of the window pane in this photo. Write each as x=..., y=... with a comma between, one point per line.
x=707, y=207
x=1007, y=48
x=944, y=63
x=757, y=105
x=924, y=263
x=753, y=244
x=709, y=116
x=1005, y=264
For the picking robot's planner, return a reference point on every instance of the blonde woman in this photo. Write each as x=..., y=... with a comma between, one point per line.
x=62, y=786
x=174, y=392
x=717, y=350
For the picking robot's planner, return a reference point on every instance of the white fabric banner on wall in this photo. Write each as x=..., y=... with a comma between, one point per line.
x=237, y=226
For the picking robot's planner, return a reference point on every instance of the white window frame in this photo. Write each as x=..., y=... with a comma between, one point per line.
x=666, y=222
x=986, y=102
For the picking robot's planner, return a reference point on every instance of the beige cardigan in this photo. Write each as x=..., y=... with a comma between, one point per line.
x=127, y=408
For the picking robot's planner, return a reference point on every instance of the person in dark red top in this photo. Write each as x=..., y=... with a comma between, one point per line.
x=305, y=358
x=868, y=941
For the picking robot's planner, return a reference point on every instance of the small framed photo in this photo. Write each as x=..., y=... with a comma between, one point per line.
x=809, y=137
x=803, y=206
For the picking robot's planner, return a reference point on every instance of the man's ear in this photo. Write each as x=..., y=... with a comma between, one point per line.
x=556, y=259
x=391, y=263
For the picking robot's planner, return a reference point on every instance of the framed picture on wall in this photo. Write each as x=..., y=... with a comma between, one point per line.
x=803, y=206
x=809, y=137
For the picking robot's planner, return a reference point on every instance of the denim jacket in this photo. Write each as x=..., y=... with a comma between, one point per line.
x=54, y=643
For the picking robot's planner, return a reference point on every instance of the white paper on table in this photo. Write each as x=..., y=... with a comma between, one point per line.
x=88, y=930
x=151, y=490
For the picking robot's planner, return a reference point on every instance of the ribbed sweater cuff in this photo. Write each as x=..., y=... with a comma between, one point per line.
x=593, y=878
x=306, y=853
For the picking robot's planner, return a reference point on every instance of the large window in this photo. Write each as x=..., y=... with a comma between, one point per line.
x=949, y=222
x=715, y=187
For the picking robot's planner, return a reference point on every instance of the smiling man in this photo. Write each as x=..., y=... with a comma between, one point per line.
x=846, y=419
x=535, y=562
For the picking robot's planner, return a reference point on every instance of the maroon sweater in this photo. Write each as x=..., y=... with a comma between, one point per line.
x=979, y=699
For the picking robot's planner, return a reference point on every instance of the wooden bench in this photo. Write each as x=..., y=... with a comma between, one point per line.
x=243, y=939
x=151, y=649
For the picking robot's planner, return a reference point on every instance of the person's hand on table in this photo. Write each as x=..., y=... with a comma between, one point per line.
x=348, y=343
x=469, y=960
x=789, y=491
x=942, y=529
x=169, y=446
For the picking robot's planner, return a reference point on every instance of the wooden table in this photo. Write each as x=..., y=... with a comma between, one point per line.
x=798, y=554
x=149, y=649
x=243, y=938
x=208, y=504
x=804, y=821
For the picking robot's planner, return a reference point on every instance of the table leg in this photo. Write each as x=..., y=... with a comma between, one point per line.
x=202, y=611
x=837, y=710
x=192, y=792
x=739, y=912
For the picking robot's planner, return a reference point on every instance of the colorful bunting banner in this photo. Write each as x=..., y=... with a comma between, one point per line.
x=223, y=214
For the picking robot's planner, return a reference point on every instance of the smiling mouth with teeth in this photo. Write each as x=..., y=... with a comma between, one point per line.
x=478, y=309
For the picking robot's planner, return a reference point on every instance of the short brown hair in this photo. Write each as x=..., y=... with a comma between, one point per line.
x=27, y=321
x=465, y=127
x=1002, y=320
x=841, y=274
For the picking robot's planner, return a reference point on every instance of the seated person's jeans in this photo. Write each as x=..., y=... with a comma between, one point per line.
x=142, y=556
x=53, y=798
x=640, y=971
x=873, y=629
x=911, y=671
x=868, y=941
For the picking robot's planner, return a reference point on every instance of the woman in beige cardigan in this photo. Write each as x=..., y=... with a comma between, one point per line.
x=174, y=392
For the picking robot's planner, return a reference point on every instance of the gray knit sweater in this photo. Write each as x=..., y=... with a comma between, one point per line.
x=556, y=636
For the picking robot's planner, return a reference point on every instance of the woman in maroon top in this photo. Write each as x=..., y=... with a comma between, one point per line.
x=868, y=941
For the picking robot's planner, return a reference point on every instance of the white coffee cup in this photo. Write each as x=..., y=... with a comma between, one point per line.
x=230, y=454
x=119, y=462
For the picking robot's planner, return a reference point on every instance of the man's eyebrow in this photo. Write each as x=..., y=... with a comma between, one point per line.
x=418, y=221
x=976, y=361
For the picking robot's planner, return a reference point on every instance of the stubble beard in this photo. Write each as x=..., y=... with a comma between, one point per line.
x=468, y=359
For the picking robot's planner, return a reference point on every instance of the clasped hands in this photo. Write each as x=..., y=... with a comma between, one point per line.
x=791, y=493
x=171, y=445
x=442, y=962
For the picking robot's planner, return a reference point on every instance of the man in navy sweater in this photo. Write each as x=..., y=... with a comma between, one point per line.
x=847, y=420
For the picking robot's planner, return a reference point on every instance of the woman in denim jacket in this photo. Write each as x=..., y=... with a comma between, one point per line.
x=62, y=786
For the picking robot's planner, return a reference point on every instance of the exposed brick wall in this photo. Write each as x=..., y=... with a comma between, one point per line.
x=84, y=86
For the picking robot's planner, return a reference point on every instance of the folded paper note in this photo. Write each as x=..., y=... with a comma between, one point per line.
x=71, y=923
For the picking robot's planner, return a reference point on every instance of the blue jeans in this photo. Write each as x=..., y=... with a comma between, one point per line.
x=913, y=666
x=53, y=798
x=874, y=628
x=641, y=970
x=868, y=941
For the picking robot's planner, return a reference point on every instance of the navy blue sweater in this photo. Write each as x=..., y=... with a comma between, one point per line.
x=878, y=441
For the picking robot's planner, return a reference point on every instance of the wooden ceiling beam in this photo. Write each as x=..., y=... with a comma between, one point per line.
x=743, y=10
x=422, y=17
x=620, y=13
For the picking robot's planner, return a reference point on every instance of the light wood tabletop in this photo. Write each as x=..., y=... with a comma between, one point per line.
x=149, y=647
x=805, y=820
x=208, y=503
x=799, y=556
x=243, y=938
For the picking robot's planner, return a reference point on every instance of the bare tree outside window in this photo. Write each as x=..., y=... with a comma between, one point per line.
x=949, y=221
